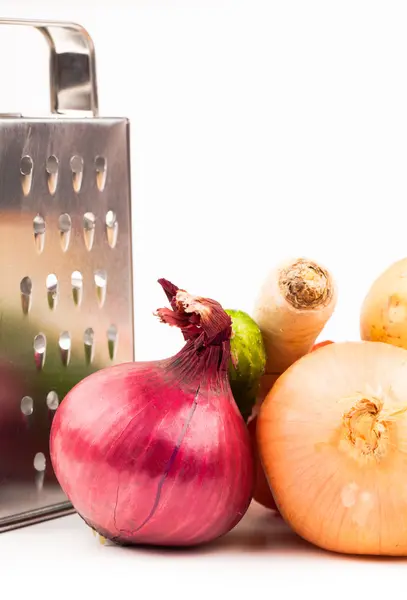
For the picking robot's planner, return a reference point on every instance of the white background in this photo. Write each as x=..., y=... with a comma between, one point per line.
x=259, y=130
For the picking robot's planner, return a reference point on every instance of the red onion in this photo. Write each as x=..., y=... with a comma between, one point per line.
x=157, y=452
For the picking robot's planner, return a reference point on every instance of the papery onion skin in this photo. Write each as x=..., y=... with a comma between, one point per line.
x=262, y=492
x=157, y=452
x=383, y=315
x=332, y=436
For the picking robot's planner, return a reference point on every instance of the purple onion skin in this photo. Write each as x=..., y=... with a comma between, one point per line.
x=149, y=454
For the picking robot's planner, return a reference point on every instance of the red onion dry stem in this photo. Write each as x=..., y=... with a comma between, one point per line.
x=157, y=452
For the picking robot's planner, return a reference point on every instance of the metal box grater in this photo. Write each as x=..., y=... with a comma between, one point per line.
x=66, y=295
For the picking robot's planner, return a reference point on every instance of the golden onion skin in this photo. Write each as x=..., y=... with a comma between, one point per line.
x=332, y=436
x=383, y=316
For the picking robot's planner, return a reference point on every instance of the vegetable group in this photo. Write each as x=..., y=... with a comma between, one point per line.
x=171, y=452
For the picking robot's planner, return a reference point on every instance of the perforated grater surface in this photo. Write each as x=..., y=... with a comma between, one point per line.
x=66, y=305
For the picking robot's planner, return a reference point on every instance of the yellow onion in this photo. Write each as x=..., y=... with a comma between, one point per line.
x=332, y=436
x=383, y=316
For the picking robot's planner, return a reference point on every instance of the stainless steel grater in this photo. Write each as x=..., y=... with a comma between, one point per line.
x=66, y=293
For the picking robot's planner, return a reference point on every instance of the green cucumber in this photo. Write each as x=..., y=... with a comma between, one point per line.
x=248, y=360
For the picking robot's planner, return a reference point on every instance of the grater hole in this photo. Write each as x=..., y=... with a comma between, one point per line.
x=111, y=218
x=39, y=225
x=52, y=164
x=77, y=279
x=101, y=169
x=51, y=167
x=40, y=343
x=40, y=462
x=77, y=287
x=65, y=341
x=89, y=224
x=88, y=342
x=26, y=286
x=112, y=339
x=64, y=223
x=52, y=400
x=89, y=221
x=26, y=289
x=100, y=277
x=76, y=164
x=26, y=169
x=40, y=348
x=65, y=347
x=26, y=165
x=112, y=228
x=100, y=164
x=39, y=232
x=88, y=336
x=64, y=226
x=52, y=290
x=27, y=406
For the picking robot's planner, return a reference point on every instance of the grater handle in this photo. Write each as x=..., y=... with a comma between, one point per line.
x=72, y=66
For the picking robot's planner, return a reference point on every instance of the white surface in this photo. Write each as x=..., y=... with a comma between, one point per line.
x=261, y=558
x=259, y=129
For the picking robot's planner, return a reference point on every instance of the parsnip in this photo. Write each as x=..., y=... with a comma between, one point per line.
x=294, y=304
